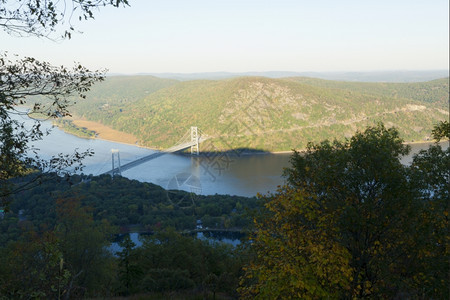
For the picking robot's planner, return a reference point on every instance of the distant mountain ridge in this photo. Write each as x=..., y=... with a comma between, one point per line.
x=375, y=76
x=262, y=113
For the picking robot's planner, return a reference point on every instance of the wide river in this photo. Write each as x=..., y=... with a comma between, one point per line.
x=244, y=175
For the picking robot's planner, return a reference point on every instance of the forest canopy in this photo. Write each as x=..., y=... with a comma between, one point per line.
x=353, y=222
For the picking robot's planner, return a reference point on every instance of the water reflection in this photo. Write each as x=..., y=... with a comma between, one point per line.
x=231, y=238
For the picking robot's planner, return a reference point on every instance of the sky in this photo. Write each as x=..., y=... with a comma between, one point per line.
x=191, y=36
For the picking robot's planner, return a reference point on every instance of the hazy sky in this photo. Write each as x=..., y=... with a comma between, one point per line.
x=189, y=36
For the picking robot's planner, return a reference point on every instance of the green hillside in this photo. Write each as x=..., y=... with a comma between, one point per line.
x=270, y=114
x=435, y=91
x=118, y=91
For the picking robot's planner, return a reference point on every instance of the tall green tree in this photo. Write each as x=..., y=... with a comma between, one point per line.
x=83, y=244
x=128, y=268
x=441, y=131
x=430, y=177
x=297, y=255
x=355, y=196
x=364, y=180
x=33, y=268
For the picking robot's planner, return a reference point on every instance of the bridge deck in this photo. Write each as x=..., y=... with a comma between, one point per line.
x=147, y=158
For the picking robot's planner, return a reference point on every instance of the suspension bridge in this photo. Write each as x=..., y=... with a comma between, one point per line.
x=191, y=140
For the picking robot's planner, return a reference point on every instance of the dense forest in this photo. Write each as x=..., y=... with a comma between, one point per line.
x=79, y=214
x=124, y=202
x=262, y=113
x=431, y=91
x=354, y=223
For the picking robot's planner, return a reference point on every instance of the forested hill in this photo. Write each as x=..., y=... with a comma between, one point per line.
x=121, y=90
x=435, y=91
x=262, y=113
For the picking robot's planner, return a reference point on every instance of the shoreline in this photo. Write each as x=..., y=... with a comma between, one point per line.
x=106, y=133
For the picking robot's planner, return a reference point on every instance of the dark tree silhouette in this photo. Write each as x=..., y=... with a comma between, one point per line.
x=45, y=89
x=45, y=18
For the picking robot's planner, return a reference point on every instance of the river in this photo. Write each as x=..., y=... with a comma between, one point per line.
x=230, y=238
x=244, y=175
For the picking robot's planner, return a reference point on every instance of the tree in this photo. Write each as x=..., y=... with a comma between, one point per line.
x=44, y=87
x=430, y=176
x=19, y=80
x=441, y=130
x=129, y=270
x=354, y=196
x=69, y=258
x=297, y=256
x=83, y=243
x=33, y=268
x=42, y=18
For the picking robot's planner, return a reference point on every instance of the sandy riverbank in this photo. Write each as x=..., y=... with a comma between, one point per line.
x=106, y=133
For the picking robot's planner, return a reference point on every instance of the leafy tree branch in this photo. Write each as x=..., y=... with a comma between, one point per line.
x=43, y=18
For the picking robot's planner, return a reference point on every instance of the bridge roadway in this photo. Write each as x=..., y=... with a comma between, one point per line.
x=147, y=158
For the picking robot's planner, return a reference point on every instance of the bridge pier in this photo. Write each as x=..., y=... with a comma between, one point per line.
x=115, y=171
x=194, y=140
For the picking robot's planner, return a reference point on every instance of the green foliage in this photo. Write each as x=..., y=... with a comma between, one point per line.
x=441, y=131
x=76, y=214
x=124, y=202
x=169, y=261
x=69, y=127
x=42, y=18
x=435, y=91
x=430, y=177
x=298, y=256
x=377, y=225
x=23, y=78
x=66, y=259
x=128, y=271
x=51, y=87
x=112, y=96
x=33, y=268
x=83, y=244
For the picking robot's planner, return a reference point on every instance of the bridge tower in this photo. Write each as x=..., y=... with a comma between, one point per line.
x=194, y=140
x=114, y=170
